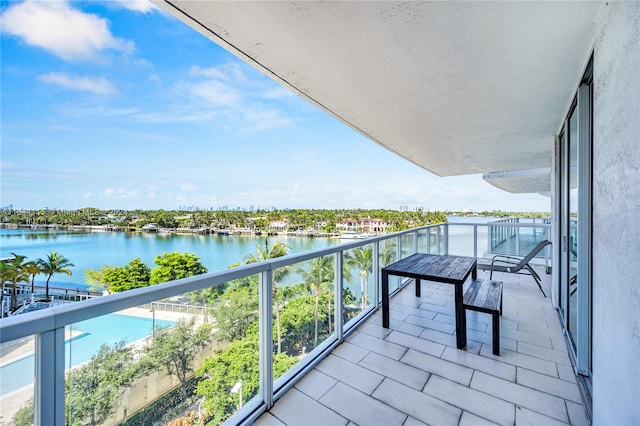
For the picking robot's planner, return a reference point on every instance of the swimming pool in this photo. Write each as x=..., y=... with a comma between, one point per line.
x=88, y=336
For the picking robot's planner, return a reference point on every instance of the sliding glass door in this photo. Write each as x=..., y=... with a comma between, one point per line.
x=575, y=224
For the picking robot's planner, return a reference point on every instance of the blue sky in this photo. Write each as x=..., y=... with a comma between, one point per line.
x=119, y=105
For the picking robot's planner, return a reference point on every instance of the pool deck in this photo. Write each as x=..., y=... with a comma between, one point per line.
x=13, y=401
x=26, y=347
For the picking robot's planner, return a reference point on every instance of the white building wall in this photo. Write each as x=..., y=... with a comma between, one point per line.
x=616, y=216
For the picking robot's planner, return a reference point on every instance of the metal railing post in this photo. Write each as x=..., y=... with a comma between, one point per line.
x=265, y=327
x=338, y=274
x=547, y=250
x=475, y=241
x=446, y=238
x=49, y=378
x=376, y=272
x=415, y=242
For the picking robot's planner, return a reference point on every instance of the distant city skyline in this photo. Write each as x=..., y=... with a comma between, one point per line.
x=117, y=105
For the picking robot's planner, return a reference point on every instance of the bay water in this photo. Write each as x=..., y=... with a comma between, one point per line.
x=92, y=250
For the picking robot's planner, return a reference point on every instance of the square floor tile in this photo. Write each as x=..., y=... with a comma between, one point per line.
x=350, y=352
x=478, y=362
x=380, y=346
x=267, y=419
x=471, y=400
x=528, y=417
x=417, y=404
x=315, y=384
x=358, y=377
x=548, y=384
x=398, y=371
x=430, y=364
x=360, y=408
x=296, y=408
x=577, y=414
x=417, y=343
x=520, y=395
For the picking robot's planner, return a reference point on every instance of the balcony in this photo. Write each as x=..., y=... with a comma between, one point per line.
x=412, y=373
x=355, y=370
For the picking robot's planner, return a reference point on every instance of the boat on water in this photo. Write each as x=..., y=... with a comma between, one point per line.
x=352, y=235
x=225, y=232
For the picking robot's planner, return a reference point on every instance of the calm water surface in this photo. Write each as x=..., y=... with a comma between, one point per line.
x=92, y=250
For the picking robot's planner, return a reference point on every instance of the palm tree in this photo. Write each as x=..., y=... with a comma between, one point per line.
x=319, y=277
x=278, y=250
x=362, y=258
x=32, y=269
x=5, y=278
x=388, y=254
x=12, y=272
x=55, y=263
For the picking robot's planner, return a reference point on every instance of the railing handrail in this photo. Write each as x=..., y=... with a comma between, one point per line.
x=503, y=224
x=35, y=322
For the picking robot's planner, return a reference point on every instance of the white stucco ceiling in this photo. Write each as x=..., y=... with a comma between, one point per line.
x=454, y=87
x=519, y=181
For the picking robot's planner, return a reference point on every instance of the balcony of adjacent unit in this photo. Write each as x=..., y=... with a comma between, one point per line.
x=299, y=340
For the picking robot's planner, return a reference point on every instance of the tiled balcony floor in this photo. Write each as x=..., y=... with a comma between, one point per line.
x=412, y=374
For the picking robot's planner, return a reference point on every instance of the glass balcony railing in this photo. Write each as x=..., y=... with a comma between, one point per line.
x=219, y=347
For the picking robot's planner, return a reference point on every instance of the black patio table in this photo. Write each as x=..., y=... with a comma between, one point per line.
x=431, y=267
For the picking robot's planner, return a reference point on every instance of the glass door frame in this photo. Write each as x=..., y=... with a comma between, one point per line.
x=583, y=107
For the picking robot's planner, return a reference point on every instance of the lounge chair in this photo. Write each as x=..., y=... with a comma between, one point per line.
x=516, y=265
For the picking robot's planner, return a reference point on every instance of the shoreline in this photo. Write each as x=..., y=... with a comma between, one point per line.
x=171, y=231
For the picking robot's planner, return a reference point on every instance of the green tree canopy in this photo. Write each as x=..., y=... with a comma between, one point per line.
x=238, y=362
x=235, y=311
x=92, y=388
x=134, y=274
x=175, y=348
x=174, y=266
x=279, y=249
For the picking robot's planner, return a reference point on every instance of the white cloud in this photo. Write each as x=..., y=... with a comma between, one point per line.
x=120, y=193
x=277, y=93
x=214, y=92
x=230, y=72
x=100, y=86
x=142, y=6
x=187, y=187
x=266, y=119
x=229, y=93
x=59, y=28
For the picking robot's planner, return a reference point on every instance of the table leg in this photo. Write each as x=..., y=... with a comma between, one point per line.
x=417, y=287
x=474, y=272
x=461, y=319
x=385, y=299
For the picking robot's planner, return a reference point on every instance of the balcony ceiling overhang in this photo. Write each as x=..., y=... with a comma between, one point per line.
x=454, y=87
x=522, y=181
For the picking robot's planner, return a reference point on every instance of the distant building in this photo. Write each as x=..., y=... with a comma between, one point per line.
x=279, y=225
x=367, y=224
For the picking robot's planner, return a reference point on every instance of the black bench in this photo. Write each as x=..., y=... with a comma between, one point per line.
x=486, y=296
